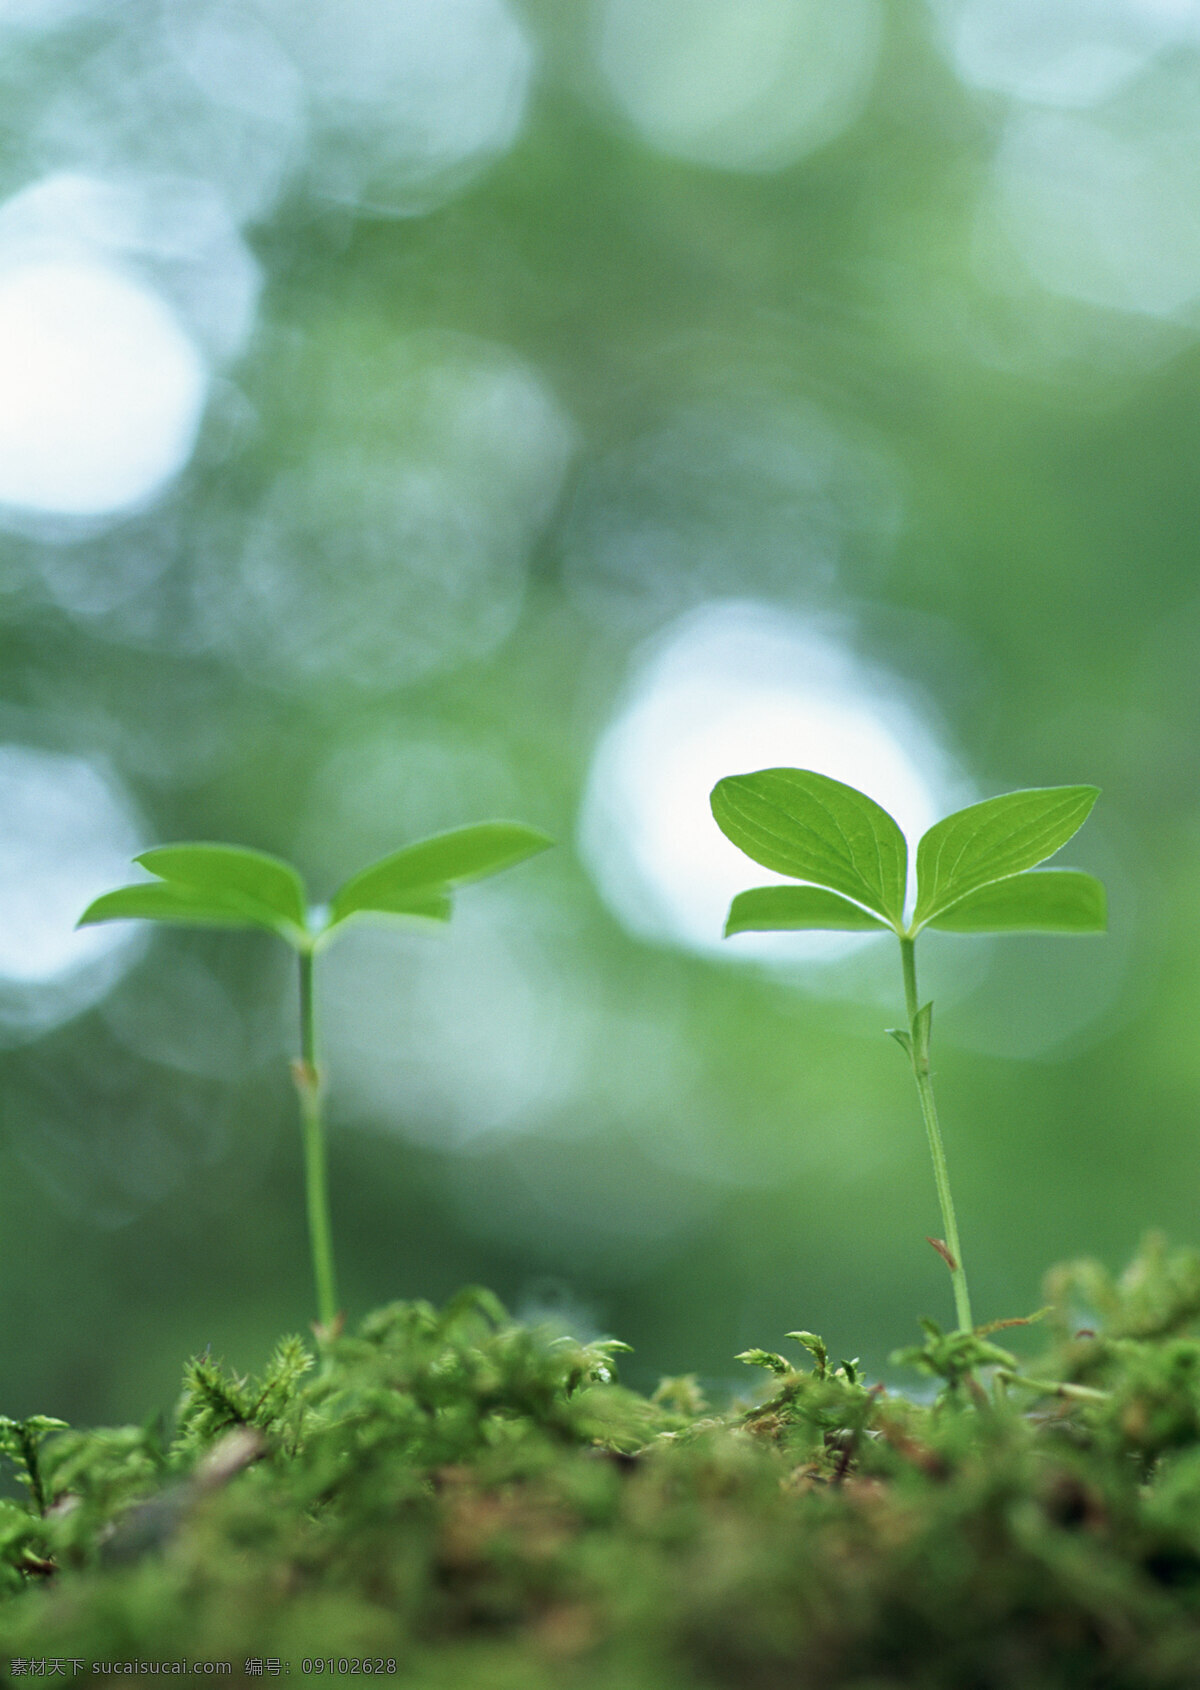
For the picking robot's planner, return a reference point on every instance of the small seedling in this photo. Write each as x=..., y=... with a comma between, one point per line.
x=228, y=886
x=977, y=872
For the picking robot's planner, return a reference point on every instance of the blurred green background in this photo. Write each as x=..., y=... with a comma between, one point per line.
x=419, y=411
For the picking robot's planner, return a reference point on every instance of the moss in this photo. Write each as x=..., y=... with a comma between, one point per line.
x=486, y=1506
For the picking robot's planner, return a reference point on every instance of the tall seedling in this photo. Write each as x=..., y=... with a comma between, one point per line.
x=228, y=886
x=976, y=873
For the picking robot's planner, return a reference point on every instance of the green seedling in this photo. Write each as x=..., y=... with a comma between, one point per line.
x=977, y=872
x=227, y=886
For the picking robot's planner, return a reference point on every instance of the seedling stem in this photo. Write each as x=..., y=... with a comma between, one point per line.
x=918, y=1049
x=307, y=1075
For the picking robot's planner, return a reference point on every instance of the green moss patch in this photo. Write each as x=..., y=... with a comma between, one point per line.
x=478, y=1504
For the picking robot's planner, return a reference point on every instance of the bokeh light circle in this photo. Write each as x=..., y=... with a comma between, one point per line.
x=738, y=84
x=407, y=100
x=1073, y=53
x=101, y=391
x=67, y=833
x=1104, y=206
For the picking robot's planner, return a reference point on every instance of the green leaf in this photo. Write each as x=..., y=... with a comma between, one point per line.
x=806, y=825
x=430, y=903
x=157, y=900
x=766, y=1358
x=776, y=909
x=431, y=906
x=1044, y=900
x=266, y=881
x=994, y=840
x=45, y=1423
x=816, y=1349
x=426, y=870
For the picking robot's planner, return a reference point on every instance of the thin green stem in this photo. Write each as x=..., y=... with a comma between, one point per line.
x=308, y=1085
x=918, y=1050
x=1055, y=1388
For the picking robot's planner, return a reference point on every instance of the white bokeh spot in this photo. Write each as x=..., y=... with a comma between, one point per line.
x=738, y=84
x=67, y=833
x=408, y=99
x=101, y=391
x=1074, y=53
x=1104, y=206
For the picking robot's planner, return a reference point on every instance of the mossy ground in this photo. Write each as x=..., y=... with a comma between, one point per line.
x=487, y=1508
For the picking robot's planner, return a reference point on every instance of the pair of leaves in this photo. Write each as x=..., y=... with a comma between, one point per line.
x=976, y=870
x=228, y=886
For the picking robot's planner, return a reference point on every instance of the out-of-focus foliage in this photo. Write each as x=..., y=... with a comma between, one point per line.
x=418, y=412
